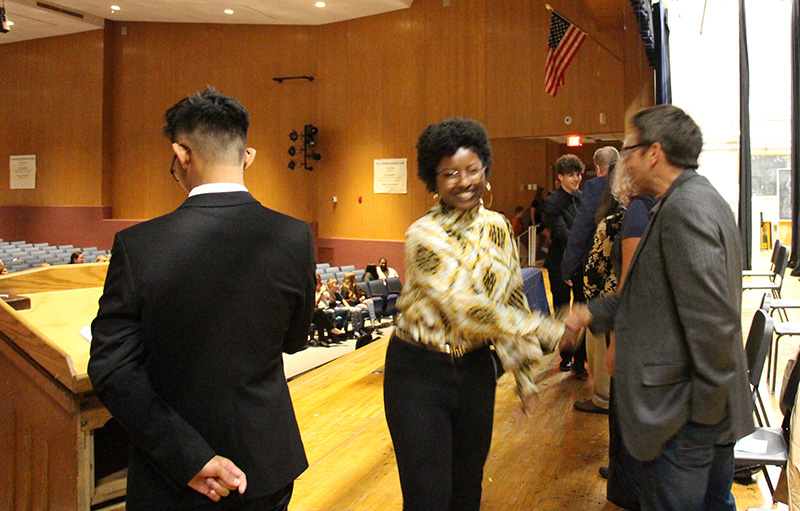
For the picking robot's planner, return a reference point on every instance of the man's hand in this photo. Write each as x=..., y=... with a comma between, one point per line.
x=578, y=317
x=217, y=478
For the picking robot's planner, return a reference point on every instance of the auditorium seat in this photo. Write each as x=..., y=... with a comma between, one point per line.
x=349, y=267
x=388, y=304
x=394, y=285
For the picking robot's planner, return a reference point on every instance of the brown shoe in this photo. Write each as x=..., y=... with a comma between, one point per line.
x=588, y=406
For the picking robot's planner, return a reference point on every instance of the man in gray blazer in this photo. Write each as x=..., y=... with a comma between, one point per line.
x=197, y=308
x=681, y=390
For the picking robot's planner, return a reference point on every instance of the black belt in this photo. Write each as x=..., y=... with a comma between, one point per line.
x=454, y=351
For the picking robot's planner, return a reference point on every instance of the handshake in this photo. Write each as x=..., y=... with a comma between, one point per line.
x=576, y=321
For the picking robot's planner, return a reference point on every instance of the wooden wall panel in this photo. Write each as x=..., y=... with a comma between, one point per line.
x=52, y=93
x=157, y=64
x=378, y=81
x=455, y=67
x=511, y=73
x=370, y=107
x=517, y=163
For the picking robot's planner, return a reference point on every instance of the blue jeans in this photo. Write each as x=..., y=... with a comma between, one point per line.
x=693, y=473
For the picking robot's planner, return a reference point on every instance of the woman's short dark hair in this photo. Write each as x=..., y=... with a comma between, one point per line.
x=569, y=163
x=443, y=139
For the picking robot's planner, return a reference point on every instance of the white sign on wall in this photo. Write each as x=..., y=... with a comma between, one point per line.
x=22, y=171
x=390, y=176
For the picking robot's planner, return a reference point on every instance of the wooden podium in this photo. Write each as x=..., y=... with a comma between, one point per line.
x=48, y=417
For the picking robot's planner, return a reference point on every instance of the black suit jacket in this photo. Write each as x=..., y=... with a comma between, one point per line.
x=560, y=209
x=186, y=352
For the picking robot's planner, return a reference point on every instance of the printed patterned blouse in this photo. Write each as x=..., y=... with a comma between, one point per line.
x=464, y=288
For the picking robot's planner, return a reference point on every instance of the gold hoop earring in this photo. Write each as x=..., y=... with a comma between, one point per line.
x=491, y=195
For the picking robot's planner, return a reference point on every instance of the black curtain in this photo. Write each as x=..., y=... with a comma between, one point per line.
x=745, y=163
x=795, y=165
x=663, y=80
x=643, y=10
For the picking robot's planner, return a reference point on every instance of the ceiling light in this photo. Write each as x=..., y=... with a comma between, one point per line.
x=228, y=11
x=320, y=4
x=115, y=8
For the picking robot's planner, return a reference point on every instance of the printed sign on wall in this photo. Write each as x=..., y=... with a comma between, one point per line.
x=22, y=170
x=390, y=176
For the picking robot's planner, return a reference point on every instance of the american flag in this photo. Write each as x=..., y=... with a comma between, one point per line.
x=565, y=40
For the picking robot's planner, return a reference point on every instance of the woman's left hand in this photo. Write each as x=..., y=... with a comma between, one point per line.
x=526, y=408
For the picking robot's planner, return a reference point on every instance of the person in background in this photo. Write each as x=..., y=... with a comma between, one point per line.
x=463, y=292
x=187, y=347
x=3, y=269
x=323, y=317
x=537, y=207
x=355, y=297
x=76, y=258
x=334, y=300
x=370, y=272
x=560, y=209
x=596, y=195
x=384, y=272
x=516, y=221
x=681, y=393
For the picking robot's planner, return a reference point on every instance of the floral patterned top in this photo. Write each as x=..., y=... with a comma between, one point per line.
x=464, y=289
x=599, y=278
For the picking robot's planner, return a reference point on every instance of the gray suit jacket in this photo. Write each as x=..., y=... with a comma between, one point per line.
x=679, y=354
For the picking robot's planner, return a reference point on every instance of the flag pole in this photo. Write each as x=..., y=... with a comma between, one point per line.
x=550, y=8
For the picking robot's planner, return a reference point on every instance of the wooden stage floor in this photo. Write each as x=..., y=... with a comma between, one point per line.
x=548, y=462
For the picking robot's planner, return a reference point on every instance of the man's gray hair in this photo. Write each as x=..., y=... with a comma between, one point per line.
x=680, y=137
x=605, y=155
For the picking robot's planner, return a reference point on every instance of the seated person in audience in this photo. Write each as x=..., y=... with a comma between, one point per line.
x=355, y=297
x=384, y=272
x=370, y=272
x=102, y=258
x=323, y=317
x=3, y=269
x=76, y=258
x=335, y=301
x=327, y=333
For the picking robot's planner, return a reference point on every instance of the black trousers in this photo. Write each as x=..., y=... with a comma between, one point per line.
x=440, y=412
x=278, y=501
x=323, y=322
x=562, y=295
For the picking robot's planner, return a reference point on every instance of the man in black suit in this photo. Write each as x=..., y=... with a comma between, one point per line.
x=560, y=209
x=198, y=307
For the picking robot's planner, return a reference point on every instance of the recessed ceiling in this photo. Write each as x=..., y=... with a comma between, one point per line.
x=34, y=19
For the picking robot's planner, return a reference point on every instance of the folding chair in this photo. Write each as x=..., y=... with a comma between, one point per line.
x=773, y=260
x=768, y=446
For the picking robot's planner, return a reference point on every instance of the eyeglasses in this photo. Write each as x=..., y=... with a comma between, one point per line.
x=174, y=160
x=452, y=176
x=634, y=146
